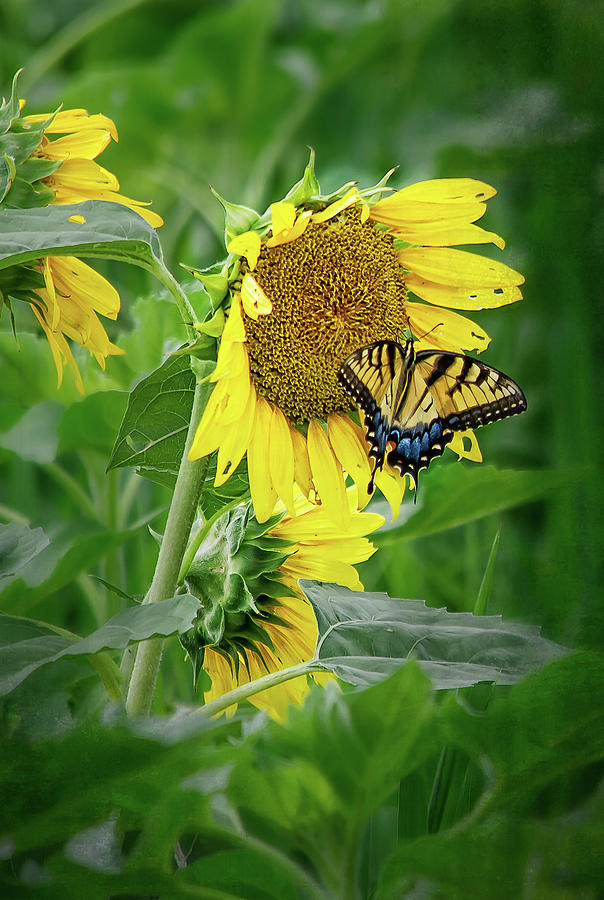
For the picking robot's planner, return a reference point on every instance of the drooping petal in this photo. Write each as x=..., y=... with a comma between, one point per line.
x=264, y=495
x=85, y=145
x=281, y=459
x=350, y=448
x=248, y=245
x=458, y=267
x=327, y=475
x=392, y=487
x=348, y=199
x=72, y=275
x=235, y=442
x=302, y=470
x=283, y=216
x=255, y=302
x=447, y=330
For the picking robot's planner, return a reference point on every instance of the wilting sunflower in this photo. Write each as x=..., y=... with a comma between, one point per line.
x=257, y=619
x=313, y=280
x=52, y=160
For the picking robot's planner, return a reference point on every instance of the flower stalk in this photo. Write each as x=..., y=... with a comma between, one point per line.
x=183, y=508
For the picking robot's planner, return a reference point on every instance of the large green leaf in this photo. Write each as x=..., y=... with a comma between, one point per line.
x=550, y=727
x=455, y=495
x=110, y=231
x=154, y=428
x=27, y=645
x=34, y=436
x=365, y=636
x=74, y=547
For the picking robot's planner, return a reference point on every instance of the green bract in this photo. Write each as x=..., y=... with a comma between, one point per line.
x=236, y=577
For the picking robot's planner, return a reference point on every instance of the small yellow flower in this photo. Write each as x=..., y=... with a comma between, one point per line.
x=74, y=293
x=318, y=550
x=318, y=282
x=84, y=137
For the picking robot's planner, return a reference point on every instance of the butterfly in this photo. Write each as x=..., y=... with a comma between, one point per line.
x=414, y=402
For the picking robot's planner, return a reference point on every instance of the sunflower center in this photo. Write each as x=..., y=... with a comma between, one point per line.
x=336, y=288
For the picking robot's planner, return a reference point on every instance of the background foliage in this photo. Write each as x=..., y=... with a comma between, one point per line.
x=231, y=94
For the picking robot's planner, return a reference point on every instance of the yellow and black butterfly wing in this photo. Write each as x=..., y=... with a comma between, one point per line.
x=376, y=377
x=447, y=392
x=413, y=404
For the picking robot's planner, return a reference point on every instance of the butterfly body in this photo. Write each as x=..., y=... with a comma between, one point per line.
x=413, y=403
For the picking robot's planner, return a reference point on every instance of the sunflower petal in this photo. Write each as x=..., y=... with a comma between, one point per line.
x=264, y=495
x=447, y=234
x=444, y=190
x=281, y=459
x=302, y=470
x=327, y=476
x=442, y=328
x=458, y=268
x=462, y=297
x=392, y=487
x=350, y=448
x=235, y=444
x=255, y=302
x=458, y=445
x=247, y=244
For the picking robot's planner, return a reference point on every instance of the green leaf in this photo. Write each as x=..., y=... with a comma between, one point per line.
x=455, y=495
x=34, y=437
x=363, y=637
x=21, y=657
x=75, y=546
x=546, y=729
x=110, y=231
x=18, y=547
x=154, y=428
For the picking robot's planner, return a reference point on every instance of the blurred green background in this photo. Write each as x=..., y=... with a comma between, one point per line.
x=231, y=94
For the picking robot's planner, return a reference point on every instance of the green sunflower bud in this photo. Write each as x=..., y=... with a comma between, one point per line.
x=236, y=576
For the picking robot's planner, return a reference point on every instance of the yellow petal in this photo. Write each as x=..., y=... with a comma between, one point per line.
x=232, y=355
x=255, y=302
x=235, y=443
x=208, y=434
x=348, y=199
x=458, y=267
x=302, y=470
x=74, y=277
x=86, y=144
x=327, y=476
x=283, y=216
x=248, y=245
x=462, y=297
x=50, y=293
x=281, y=459
x=411, y=214
x=434, y=327
x=264, y=495
x=70, y=120
x=83, y=175
x=60, y=349
x=320, y=569
x=448, y=233
x=444, y=190
x=458, y=445
x=350, y=447
x=392, y=487
x=289, y=235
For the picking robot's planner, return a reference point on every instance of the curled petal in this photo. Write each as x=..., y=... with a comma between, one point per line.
x=458, y=445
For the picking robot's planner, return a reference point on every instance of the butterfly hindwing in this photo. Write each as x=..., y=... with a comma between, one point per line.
x=376, y=378
x=413, y=403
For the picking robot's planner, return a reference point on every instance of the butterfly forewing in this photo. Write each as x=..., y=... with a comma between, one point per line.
x=467, y=392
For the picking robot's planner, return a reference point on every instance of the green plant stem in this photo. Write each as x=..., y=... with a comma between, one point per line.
x=254, y=687
x=165, y=580
x=182, y=301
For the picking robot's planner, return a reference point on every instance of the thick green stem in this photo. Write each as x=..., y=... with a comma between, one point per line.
x=165, y=580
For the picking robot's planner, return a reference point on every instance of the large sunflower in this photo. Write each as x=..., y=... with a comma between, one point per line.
x=316, y=279
x=283, y=631
x=53, y=161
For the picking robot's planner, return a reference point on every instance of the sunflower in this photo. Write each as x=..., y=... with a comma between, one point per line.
x=53, y=161
x=284, y=629
x=313, y=280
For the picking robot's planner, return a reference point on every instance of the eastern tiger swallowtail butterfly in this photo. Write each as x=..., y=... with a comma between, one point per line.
x=414, y=402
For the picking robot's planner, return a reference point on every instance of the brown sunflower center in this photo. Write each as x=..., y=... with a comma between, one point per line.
x=336, y=288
